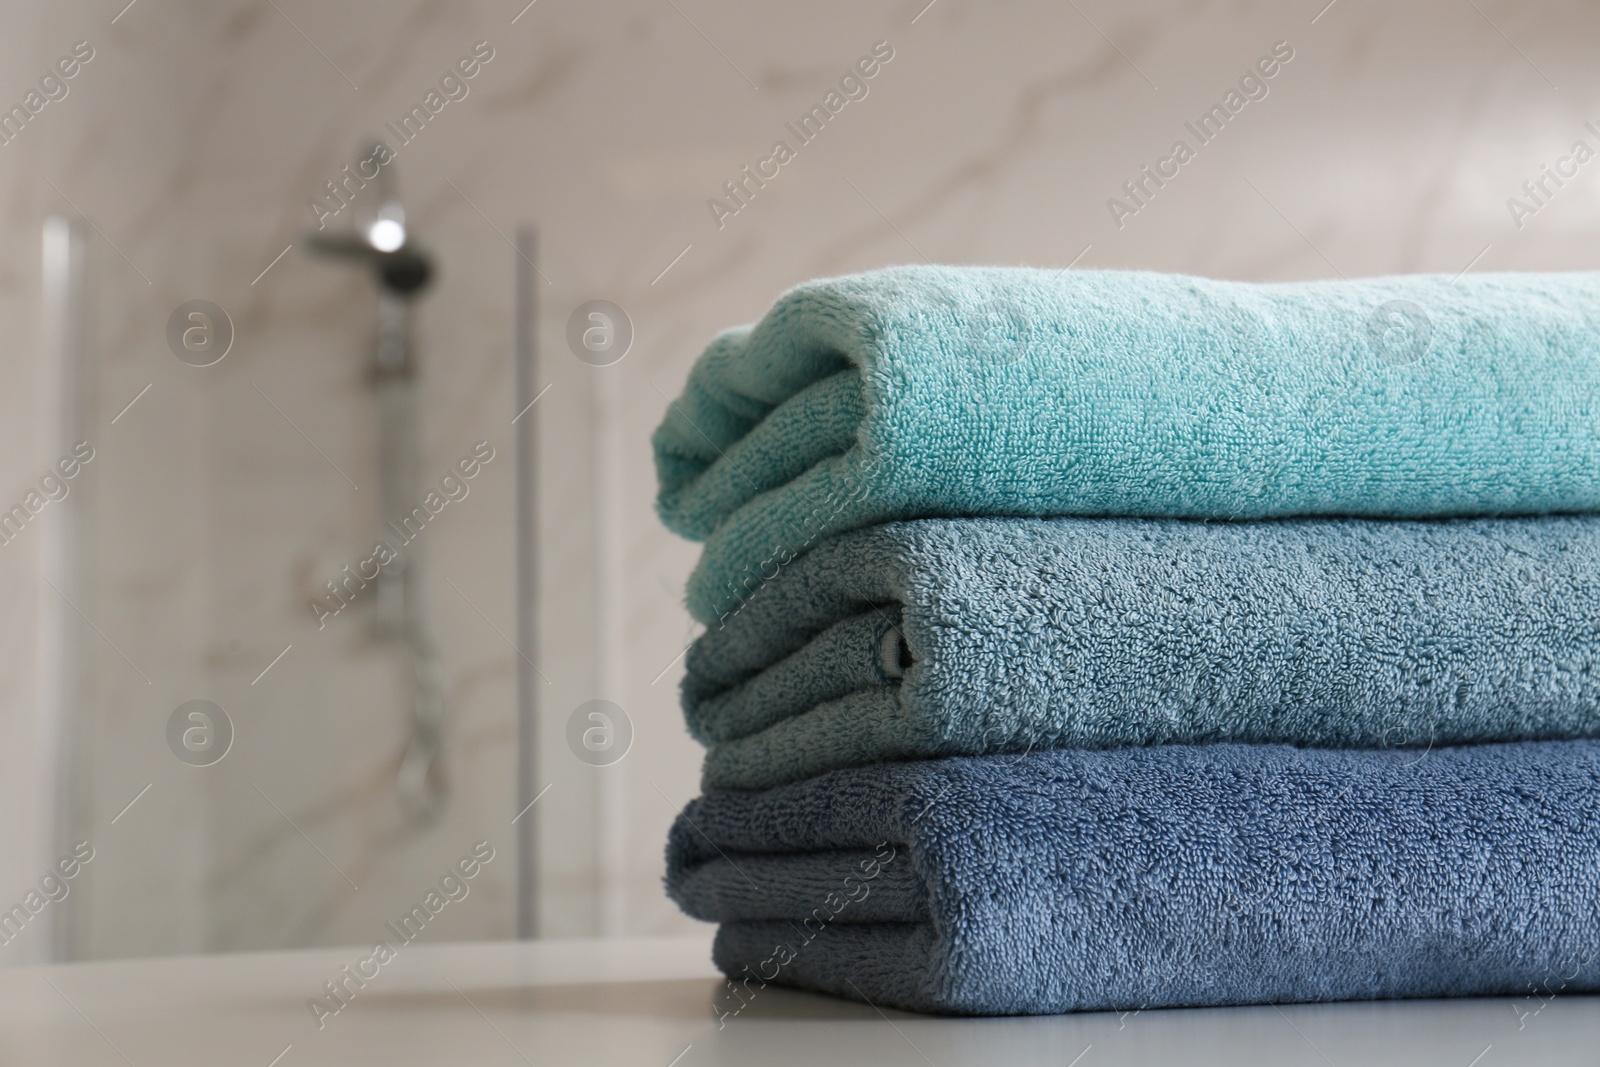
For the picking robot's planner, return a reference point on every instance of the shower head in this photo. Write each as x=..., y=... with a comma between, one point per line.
x=398, y=264
x=405, y=271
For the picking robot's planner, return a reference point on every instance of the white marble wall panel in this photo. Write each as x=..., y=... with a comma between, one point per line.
x=1390, y=142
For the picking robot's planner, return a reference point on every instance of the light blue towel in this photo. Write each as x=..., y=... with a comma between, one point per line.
x=965, y=636
x=937, y=391
x=1155, y=877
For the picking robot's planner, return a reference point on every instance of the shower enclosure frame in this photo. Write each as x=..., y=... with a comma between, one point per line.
x=65, y=309
x=526, y=353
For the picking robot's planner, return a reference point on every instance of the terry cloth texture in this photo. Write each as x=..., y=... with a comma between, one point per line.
x=936, y=391
x=966, y=636
x=1150, y=877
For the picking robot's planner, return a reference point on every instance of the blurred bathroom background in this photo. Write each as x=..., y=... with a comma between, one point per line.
x=180, y=163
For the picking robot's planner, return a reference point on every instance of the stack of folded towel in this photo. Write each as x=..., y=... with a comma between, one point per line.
x=1106, y=640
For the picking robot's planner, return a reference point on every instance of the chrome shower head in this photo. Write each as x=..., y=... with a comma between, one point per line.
x=398, y=264
x=405, y=270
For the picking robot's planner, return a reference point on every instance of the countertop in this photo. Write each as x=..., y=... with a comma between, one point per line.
x=647, y=1003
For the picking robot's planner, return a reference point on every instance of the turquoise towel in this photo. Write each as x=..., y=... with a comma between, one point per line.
x=1156, y=877
x=939, y=637
x=924, y=391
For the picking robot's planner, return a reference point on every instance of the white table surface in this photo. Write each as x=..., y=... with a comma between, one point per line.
x=646, y=1003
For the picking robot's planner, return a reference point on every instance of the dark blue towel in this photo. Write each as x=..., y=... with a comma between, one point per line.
x=1163, y=876
x=970, y=636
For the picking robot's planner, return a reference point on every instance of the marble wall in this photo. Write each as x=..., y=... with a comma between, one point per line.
x=1390, y=140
